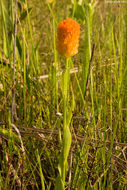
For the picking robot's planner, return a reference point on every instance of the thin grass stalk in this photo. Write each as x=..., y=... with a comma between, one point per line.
x=114, y=128
x=87, y=46
x=32, y=169
x=76, y=170
x=29, y=24
x=54, y=71
x=40, y=169
x=74, y=8
x=52, y=13
x=105, y=126
x=5, y=46
x=79, y=86
x=120, y=74
x=5, y=32
x=92, y=101
x=54, y=95
x=109, y=158
x=13, y=109
x=33, y=60
x=124, y=78
x=24, y=74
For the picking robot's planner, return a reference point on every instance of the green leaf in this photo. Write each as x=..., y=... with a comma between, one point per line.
x=59, y=184
x=66, y=144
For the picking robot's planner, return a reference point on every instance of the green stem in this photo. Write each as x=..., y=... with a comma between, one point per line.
x=67, y=114
x=66, y=84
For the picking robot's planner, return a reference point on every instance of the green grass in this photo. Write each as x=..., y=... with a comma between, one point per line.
x=70, y=131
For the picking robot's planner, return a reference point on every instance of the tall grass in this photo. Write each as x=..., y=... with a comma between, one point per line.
x=70, y=129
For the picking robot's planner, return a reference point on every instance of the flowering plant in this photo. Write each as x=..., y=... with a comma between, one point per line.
x=68, y=33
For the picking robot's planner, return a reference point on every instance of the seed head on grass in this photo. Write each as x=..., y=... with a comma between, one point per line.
x=68, y=33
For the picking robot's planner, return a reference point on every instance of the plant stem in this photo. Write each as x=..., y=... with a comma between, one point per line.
x=13, y=111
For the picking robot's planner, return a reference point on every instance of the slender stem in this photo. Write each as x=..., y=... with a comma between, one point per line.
x=66, y=77
x=14, y=55
x=65, y=113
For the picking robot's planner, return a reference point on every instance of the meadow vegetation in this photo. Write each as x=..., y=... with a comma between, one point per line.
x=63, y=122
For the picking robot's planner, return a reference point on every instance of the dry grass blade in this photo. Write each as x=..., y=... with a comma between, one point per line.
x=18, y=132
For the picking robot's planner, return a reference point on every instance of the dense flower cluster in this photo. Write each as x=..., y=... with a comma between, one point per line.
x=68, y=33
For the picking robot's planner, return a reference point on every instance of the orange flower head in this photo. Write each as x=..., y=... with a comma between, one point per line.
x=68, y=33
